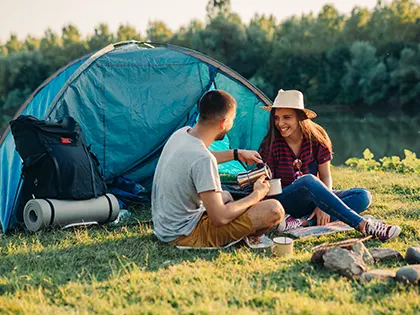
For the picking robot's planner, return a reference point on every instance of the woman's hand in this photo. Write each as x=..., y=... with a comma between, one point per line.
x=321, y=217
x=249, y=157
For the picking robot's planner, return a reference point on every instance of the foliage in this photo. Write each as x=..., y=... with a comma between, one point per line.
x=126, y=270
x=158, y=31
x=410, y=164
x=368, y=58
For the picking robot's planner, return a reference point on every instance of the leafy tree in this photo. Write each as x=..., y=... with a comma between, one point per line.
x=3, y=50
x=158, y=31
x=52, y=50
x=16, y=98
x=335, y=67
x=359, y=71
x=184, y=36
x=394, y=22
x=224, y=40
x=14, y=45
x=70, y=35
x=259, y=41
x=20, y=74
x=128, y=32
x=32, y=43
x=216, y=8
x=73, y=44
x=356, y=26
x=101, y=38
x=405, y=79
x=50, y=40
x=328, y=27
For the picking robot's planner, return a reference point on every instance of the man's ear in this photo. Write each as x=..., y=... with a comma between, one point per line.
x=222, y=124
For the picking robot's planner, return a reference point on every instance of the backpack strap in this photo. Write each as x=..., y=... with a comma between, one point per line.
x=91, y=171
x=57, y=167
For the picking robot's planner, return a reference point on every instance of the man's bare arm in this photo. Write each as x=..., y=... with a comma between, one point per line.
x=221, y=214
x=248, y=156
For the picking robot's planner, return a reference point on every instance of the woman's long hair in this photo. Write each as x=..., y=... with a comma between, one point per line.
x=311, y=131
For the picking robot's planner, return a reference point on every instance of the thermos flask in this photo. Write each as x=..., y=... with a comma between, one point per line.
x=248, y=178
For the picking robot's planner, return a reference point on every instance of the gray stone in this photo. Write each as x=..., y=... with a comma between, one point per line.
x=361, y=249
x=378, y=274
x=385, y=253
x=412, y=256
x=347, y=263
x=317, y=257
x=409, y=274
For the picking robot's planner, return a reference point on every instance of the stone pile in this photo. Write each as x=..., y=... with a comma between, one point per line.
x=352, y=259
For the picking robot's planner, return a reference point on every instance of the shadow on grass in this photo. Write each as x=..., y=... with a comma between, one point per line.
x=66, y=256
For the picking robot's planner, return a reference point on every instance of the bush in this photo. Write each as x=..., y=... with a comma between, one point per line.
x=410, y=164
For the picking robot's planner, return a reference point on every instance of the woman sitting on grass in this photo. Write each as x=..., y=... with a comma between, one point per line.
x=299, y=152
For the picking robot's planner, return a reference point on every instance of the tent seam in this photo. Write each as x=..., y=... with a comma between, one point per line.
x=76, y=74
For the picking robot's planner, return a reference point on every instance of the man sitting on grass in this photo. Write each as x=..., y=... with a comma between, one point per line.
x=189, y=207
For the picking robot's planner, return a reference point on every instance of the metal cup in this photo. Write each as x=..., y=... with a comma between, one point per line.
x=282, y=246
x=248, y=178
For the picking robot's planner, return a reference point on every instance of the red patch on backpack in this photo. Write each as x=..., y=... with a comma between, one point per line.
x=65, y=140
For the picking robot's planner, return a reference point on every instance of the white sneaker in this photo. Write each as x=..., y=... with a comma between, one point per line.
x=258, y=242
x=288, y=223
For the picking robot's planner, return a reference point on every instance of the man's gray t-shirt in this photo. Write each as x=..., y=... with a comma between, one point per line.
x=185, y=169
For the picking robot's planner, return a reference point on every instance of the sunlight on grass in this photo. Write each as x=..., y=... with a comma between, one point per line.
x=127, y=270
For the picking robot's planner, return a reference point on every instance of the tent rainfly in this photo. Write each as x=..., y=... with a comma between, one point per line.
x=129, y=97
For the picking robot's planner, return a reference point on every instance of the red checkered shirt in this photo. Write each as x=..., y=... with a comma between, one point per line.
x=280, y=159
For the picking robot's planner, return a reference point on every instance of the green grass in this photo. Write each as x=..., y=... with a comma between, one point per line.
x=127, y=270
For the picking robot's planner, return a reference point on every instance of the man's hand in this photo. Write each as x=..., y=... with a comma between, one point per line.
x=249, y=157
x=261, y=187
x=321, y=217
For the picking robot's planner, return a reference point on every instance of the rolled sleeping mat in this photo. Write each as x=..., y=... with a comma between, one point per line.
x=42, y=213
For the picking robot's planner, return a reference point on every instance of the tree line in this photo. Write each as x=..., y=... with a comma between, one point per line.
x=364, y=59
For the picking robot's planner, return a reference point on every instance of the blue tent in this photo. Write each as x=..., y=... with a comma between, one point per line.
x=129, y=98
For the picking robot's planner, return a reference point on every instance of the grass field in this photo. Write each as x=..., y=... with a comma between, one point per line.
x=126, y=270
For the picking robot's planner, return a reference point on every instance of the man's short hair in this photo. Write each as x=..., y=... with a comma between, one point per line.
x=215, y=104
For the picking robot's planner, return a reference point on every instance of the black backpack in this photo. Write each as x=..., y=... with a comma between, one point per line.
x=57, y=163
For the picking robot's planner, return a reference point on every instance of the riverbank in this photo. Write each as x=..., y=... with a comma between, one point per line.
x=126, y=270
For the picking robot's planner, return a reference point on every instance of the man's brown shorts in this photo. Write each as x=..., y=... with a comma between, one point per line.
x=206, y=234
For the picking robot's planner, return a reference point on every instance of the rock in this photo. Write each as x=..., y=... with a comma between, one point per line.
x=347, y=263
x=412, y=256
x=409, y=274
x=317, y=257
x=385, y=253
x=378, y=274
x=361, y=249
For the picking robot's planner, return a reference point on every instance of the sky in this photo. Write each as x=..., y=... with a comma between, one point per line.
x=33, y=17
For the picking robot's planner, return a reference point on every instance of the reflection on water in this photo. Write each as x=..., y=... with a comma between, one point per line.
x=384, y=135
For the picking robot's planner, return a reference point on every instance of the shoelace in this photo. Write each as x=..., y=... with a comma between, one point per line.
x=378, y=229
x=292, y=224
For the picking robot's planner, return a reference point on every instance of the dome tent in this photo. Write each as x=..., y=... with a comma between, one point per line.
x=129, y=98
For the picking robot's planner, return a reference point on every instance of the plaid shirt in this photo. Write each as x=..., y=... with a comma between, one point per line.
x=280, y=159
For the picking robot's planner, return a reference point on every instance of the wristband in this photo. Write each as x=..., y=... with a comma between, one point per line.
x=235, y=155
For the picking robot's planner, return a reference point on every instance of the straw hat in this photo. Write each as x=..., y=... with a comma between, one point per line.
x=290, y=99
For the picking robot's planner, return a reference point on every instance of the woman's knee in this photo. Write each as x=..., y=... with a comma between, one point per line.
x=366, y=198
x=307, y=179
